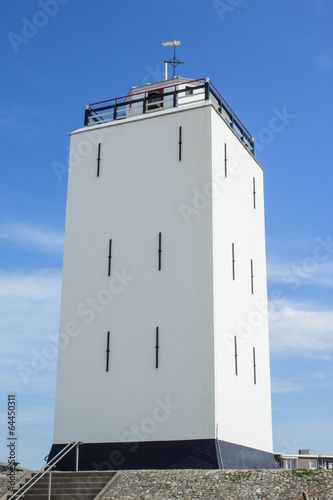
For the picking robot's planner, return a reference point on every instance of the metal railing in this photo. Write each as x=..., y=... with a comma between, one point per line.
x=167, y=97
x=306, y=496
x=47, y=468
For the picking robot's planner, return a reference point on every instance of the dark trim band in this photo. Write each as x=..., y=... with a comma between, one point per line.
x=189, y=454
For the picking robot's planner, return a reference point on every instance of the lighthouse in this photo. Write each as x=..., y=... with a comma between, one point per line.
x=164, y=348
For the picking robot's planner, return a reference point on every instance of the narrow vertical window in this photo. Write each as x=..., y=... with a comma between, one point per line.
x=98, y=158
x=225, y=161
x=109, y=257
x=159, y=251
x=180, y=143
x=252, y=278
x=236, y=355
x=233, y=260
x=254, y=366
x=254, y=193
x=156, y=348
x=107, y=351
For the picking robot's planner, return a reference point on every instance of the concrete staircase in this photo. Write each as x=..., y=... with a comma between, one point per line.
x=70, y=485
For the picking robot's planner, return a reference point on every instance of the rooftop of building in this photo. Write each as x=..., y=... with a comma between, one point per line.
x=164, y=96
x=304, y=453
x=305, y=459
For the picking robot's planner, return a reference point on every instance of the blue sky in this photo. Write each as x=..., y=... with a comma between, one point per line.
x=267, y=59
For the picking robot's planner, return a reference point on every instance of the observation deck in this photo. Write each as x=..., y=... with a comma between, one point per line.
x=156, y=97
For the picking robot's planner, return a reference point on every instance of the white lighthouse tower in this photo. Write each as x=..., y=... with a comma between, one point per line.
x=163, y=350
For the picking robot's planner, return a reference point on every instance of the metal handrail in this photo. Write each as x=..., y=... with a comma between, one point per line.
x=147, y=91
x=307, y=495
x=122, y=101
x=48, y=467
x=113, y=109
x=232, y=112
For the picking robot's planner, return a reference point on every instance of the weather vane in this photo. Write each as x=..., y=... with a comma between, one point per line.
x=174, y=61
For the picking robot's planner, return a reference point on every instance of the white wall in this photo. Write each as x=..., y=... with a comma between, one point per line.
x=143, y=189
x=243, y=409
x=137, y=195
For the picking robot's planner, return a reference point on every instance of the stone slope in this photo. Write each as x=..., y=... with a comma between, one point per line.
x=219, y=485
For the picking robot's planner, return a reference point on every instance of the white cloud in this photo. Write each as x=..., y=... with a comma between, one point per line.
x=29, y=312
x=291, y=244
x=284, y=385
x=40, y=417
x=307, y=271
x=321, y=357
x=43, y=285
x=302, y=327
x=302, y=262
x=38, y=238
x=297, y=328
x=313, y=380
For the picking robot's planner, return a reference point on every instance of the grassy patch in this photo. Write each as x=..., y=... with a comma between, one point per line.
x=240, y=476
x=307, y=474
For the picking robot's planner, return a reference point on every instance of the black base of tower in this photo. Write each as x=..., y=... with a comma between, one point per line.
x=189, y=454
